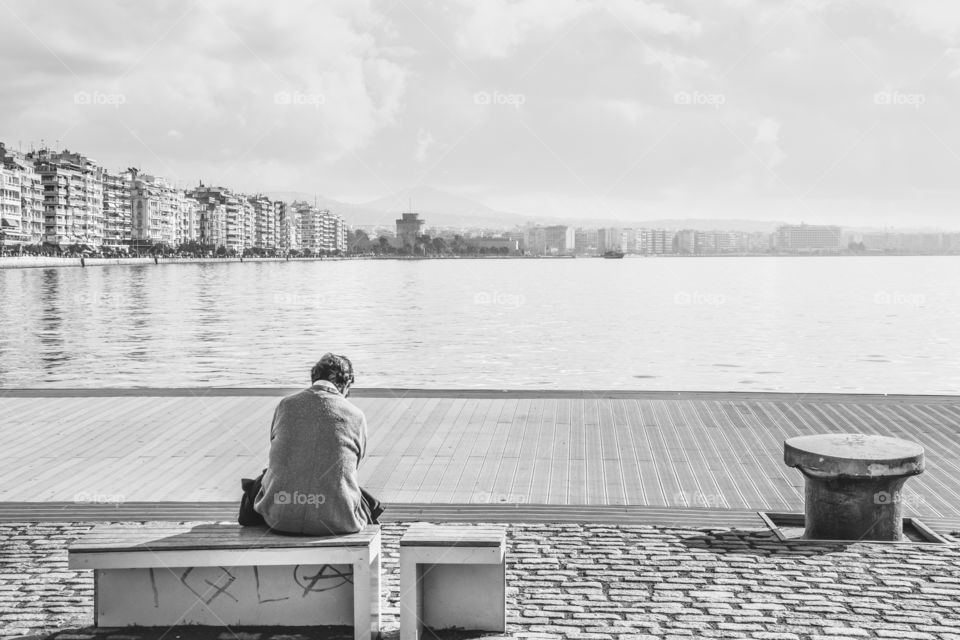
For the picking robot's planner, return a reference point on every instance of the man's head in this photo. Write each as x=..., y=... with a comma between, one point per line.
x=335, y=369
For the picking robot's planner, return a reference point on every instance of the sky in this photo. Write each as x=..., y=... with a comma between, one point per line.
x=839, y=112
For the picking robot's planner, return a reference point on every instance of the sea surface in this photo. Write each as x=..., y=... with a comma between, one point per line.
x=843, y=324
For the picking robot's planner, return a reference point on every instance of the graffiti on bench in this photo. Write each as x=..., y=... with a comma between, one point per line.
x=207, y=584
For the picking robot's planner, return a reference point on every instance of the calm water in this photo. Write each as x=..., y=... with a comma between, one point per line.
x=791, y=324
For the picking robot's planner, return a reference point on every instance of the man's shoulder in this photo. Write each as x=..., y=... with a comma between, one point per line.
x=351, y=409
x=296, y=398
x=334, y=402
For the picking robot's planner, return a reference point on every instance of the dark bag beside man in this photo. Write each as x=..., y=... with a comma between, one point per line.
x=249, y=517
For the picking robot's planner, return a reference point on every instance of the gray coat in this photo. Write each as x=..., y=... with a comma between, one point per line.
x=311, y=487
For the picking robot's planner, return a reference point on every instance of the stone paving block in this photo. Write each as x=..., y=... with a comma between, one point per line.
x=576, y=581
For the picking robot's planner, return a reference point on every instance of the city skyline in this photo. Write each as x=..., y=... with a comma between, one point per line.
x=809, y=111
x=402, y=201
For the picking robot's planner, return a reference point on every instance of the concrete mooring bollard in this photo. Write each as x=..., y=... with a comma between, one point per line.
x=853, y=484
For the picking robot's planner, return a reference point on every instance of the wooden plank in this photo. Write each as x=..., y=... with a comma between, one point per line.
x=558, y=489
x=634, y=491
x=595, y=467
x=423, y=534
x=511, y=454
x=468, y=485
x=486, y=478
x=715, y=459
x=397, y=421
x=207, y=537
x=440, y=453
x=455, y=452
x=538, y=486
x=410, y=416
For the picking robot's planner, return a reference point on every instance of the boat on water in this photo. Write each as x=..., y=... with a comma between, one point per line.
x=613, y=254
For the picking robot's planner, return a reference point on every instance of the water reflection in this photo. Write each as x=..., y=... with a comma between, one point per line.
x=136, y=311
x=51, y=334
x=771, y=324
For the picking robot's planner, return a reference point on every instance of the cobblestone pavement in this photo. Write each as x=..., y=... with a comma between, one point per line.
x=584, y=581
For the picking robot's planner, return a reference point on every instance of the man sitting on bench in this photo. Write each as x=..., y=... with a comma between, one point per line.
x=317, y=440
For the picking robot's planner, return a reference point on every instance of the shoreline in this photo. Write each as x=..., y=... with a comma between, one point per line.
x=38, y=262
x=398, y=393
x=35, y=262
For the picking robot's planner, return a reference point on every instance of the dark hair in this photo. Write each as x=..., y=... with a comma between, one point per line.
x=333, y=368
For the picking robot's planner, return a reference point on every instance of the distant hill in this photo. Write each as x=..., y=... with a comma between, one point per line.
x=443, y=209
x=437, y=207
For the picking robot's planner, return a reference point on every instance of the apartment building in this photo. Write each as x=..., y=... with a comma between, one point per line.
x=117, y=223
x=72, y=187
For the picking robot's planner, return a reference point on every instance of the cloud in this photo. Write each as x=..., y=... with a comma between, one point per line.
x=330, y=97
x=631, y=111
x=240, y=80
x=766, y=141
x=496, y=28
x=424, y=142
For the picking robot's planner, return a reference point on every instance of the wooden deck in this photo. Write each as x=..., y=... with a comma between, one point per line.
x=659, y=449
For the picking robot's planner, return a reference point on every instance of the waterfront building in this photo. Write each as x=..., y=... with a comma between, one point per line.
x=72, y=197
x=117, y=224
x=808, y=238
x=921, y=242
x=655, y=242
x=235, y=222
x=212, y=202
x=155, y=210
x=264, y=222
x=223, y=218
x=666, y=240
x=320, y=230
x=326, y=225
x=409, y=228
x=559, y=240
x=535, y=239
x=288, y=228
x=586, y=241
x=188, y=220
x=308, y=218
x=881, y=241
x=499, y=244
x=247, y=224
x=31, y=203
x=686, y=241
x=608, y=239
x=707, y=242
x=11, y=217
x=329, y=231
x=21, y=200
x=213, y=223
x=339, y=240
x=646, y=241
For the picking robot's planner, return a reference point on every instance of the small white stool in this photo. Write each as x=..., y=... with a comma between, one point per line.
x=452, y=576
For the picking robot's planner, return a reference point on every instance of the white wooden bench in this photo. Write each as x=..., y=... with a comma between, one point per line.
x=224, y=574
x=452, y=576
